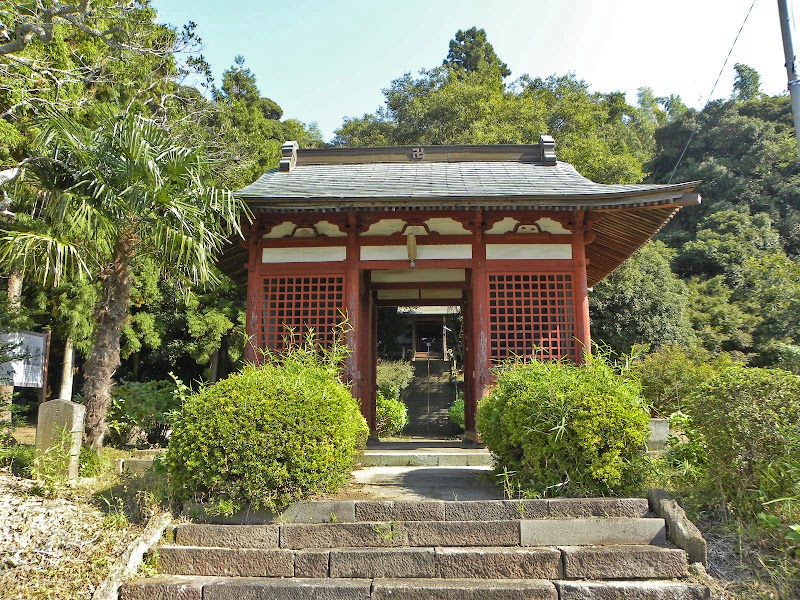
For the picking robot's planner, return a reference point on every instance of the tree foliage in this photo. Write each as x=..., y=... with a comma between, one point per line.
x=642, y=302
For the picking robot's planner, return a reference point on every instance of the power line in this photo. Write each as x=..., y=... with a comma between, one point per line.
x=714, y=87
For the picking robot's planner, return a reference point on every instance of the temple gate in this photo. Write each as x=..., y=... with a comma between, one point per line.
x=507, y=233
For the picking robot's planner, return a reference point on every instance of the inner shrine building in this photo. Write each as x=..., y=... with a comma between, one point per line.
x=507, y=233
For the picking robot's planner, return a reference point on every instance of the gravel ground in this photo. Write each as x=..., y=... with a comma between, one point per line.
x=54, y=548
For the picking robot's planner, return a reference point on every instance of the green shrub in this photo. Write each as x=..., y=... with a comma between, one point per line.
x=559, y=429
x=393, y=376
x=18, y=459
x=391, y=415
x=141, y=410
x=672, y=374
x=750, y=419
x=456, y=411
x=267, y=436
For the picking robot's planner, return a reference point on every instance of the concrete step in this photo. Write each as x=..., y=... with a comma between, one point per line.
x=603, y=562
x=410, y=458
x=218, y=588
x=388, y=533
x=349, y=511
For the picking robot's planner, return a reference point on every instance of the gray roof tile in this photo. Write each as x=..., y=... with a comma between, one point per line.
x=434, y=180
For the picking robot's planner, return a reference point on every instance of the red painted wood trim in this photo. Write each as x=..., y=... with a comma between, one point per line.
x=253, y=312
x=352, y=298
x=423, y=302
x=583, y=347
x=421, y=264
x=530, y=265
x=420, y=285
x=480, y=323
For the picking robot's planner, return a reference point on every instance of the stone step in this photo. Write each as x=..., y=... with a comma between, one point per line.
x=349, y=511
x=407, y=458
x=388, y=533
x=603, y=562
x=631, y=590
x=188, y=588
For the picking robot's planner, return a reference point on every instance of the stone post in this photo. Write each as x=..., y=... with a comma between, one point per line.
x=55, y=418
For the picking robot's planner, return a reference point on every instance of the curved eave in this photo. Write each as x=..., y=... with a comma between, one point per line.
x=625, y=220
x=680, y=195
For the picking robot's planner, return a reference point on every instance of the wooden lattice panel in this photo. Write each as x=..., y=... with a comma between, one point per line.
x=531, y=315
x=300, y=304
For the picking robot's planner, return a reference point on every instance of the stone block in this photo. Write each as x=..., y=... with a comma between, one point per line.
x=496, y=510
x=462, y=533
x=136, y=466
x=227, y=536
x=247, y=516
x=311, y=563
x=565, y=508
x=400, y=511
x=473, y=459
x=59, y=430
x=164, y=588
x=623, y=562
x=328, y=511
x=374, y=562
x=300, y=536
x=588, y=532
x=680, y=530
x=630, y=590
x=659, y=432
x=288, y=589
x=398, y=459
x=226, y=562
x=498, y=563
x=464, y=589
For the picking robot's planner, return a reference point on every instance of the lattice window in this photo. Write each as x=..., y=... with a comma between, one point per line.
x=300, y=304
x=531, y=315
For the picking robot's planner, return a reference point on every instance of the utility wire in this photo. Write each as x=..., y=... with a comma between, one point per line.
x=714, y=87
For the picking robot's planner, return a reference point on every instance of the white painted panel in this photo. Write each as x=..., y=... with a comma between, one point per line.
x=551, y=226
x=329, y=229
x=315, y=254
x=406, y=275
x=445, y=252
x=446, y=226
x=282, y=230
x=384, y=253
x=439, y=294
x=386, y=227
x=528, y=251
x=505, y=226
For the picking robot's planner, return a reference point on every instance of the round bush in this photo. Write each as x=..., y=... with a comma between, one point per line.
x=560, y=429
x=267, y=436
x=750, y=419
x=391, y=415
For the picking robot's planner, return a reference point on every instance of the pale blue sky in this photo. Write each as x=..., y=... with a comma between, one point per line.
x=322, y=60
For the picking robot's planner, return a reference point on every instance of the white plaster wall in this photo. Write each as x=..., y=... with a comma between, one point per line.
x=317, y=254
x=528, y=251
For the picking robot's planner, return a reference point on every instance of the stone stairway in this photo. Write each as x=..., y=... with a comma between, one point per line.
x=566, y=549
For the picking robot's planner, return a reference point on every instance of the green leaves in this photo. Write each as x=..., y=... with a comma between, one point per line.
x=557, y=428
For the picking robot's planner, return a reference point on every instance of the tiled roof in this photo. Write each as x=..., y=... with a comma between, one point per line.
x=329, y=186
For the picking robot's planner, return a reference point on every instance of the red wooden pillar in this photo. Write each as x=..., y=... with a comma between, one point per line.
x=255, y=291
x=372, y=388
x=583, y=346
x=479, y=326
x=470, y=400
x=355, y=317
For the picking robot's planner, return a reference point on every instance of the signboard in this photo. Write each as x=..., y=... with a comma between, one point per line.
x=29, y=369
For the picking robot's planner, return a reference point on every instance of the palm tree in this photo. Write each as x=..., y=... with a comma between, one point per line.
x=109, y=195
